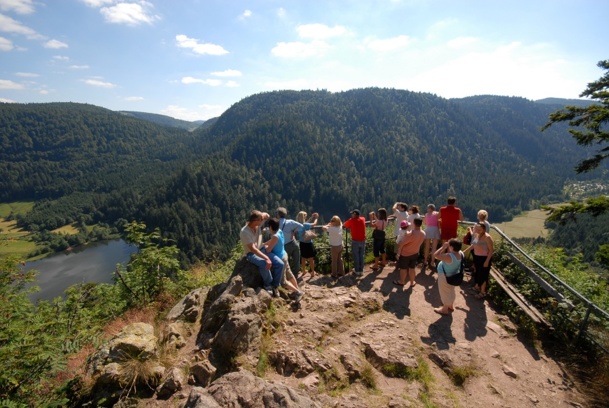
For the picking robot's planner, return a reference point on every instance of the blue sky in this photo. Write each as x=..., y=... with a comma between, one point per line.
x=193, y=59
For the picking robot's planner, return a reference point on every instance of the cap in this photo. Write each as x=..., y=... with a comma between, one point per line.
x=356, y=211
x=282, y=211
x=404, y=224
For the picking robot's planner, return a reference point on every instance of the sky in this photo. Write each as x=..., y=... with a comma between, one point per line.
x=193, y=59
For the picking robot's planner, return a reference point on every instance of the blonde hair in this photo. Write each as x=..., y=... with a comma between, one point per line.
x=336, y=221
x=301, y=217
x=482, y=214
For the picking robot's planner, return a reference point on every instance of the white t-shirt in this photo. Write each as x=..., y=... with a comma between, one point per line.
x=335, y=235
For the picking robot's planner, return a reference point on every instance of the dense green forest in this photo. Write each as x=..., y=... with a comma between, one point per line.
x=307, y=150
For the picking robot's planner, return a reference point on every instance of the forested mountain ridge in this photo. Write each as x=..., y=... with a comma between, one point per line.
x=366, y=148
x=307, y=150
x=52, y=150
x=164, y=120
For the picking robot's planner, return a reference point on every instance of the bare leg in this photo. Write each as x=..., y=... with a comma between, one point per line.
x=403, y=273
x=384, y=257
x=312, y=266
x=412, y=274
x=426, y=252
x=434, y=246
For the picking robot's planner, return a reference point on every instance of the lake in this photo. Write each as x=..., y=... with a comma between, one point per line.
x=85, y=264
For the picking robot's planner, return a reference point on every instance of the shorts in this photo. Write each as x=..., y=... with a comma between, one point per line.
x=378, y=246
x=408, y=262
x=448, y=233
x=432, y=233
x=307, y=250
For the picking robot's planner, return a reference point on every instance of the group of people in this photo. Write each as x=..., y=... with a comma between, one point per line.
x=281, y=258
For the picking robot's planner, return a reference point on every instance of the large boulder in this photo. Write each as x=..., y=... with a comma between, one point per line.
x=243, y=389
x=189, y=307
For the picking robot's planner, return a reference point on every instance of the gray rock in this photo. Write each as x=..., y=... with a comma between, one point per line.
x=389, y=362
x=202, y=373
x=243, y=389
x=172, y=384
x=189, y=307
x=199, y=398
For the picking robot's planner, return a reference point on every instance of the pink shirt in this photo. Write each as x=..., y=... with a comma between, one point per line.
x=431, y=219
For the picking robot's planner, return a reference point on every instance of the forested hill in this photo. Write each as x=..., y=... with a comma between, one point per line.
x=307, y=150
x=366, y=148
x=52, y=150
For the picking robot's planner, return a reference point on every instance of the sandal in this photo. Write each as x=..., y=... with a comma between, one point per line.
x=398, y=283
x=439, y=311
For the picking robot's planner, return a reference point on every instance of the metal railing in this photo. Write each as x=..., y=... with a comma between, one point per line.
x=566, y=296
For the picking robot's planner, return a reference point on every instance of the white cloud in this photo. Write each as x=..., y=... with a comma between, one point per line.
x=5, y=44
x=300, y=49
x=232, y=84
x=461, y=42
x=27, y=74
x=320, y=31
x=281, y=13
x=6, y=84
x=134, y=98
x=211, y=82
x=98, y=83
x=8, y=25
x=6, y=100
x=129, y=13
x=245, y=14
x=79, y=67
x=199, y=48
x=227, y=73
x=388, y=44
x=207, y=112
x=55, y=44
x=43, y=92
x=61, y=58
x=18, y=6
x=97, y=3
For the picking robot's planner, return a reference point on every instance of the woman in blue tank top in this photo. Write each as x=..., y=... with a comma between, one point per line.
x=450, y=257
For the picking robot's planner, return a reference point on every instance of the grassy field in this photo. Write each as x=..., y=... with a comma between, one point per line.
x=529, y=224
x=16, y=208
x=66, y=230
x=14, y=240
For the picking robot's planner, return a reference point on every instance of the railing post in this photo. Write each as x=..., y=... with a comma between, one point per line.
x=347, y=251
x=583, y=324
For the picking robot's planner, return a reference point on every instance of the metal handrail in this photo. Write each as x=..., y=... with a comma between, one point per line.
x=589, y=305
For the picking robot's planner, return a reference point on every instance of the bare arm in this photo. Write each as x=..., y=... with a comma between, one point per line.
x=270, y=244
x=491, y=250
x=253, y=249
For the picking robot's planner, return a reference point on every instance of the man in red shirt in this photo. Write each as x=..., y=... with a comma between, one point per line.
x=357, y=225
x=408, y=252
x=449, y=218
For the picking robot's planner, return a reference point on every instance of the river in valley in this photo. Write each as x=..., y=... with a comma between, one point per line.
x=88, y=263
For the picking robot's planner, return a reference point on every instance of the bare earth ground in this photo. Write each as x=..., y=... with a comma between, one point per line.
x=336, y=324
x=508, y=372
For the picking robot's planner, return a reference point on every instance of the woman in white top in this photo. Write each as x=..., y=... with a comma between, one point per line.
x=400, y=213
x=335, y=239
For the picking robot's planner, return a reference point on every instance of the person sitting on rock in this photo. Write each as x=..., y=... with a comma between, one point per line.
x=276, y=246
x=269, y=264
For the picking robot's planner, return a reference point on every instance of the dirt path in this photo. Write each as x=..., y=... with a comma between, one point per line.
x=508, y=372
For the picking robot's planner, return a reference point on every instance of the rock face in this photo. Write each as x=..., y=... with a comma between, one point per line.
x=355, y=342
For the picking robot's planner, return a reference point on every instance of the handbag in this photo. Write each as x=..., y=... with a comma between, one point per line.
x=467, y=239
x=308, y=235
x=456, y=279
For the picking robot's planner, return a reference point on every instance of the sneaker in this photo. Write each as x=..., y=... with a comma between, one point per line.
x=269, y=290
x=298, y=296
x=275, y=292
x=359, y=273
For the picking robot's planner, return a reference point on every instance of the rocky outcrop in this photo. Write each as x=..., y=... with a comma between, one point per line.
x=347, y=344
